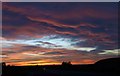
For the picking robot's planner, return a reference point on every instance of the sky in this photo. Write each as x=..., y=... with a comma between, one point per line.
x=50, y=33
x=60, y=0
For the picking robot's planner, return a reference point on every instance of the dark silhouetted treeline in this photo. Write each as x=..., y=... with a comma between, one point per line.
x=106, y=67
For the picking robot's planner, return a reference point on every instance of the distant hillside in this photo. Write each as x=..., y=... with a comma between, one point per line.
x=108, y=65
x=109, y=62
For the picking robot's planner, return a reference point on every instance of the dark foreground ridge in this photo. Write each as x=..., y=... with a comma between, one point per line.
x=106, y=67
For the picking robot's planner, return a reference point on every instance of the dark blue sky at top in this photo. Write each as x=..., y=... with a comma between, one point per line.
x=102, y=23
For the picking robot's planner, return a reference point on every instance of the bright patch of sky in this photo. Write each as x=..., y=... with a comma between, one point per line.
x=87, y=49
x=110, y=52
x=40, y=54
x=52, y=41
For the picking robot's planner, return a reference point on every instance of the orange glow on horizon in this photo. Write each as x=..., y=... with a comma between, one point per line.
x=47, y=62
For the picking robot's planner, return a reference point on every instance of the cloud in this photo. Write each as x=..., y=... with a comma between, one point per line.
x=3, y=56
x=110, y=52
x=88, y=49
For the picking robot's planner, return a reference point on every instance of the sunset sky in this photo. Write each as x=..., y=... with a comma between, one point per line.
x=60, y=0
x=49, y=33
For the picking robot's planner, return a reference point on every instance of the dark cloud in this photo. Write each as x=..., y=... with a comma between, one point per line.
x=53, y=53
x=7, y=52
x=24, y=59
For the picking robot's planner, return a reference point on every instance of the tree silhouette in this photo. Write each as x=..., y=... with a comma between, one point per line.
x=3, y=64
x=66, y=63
